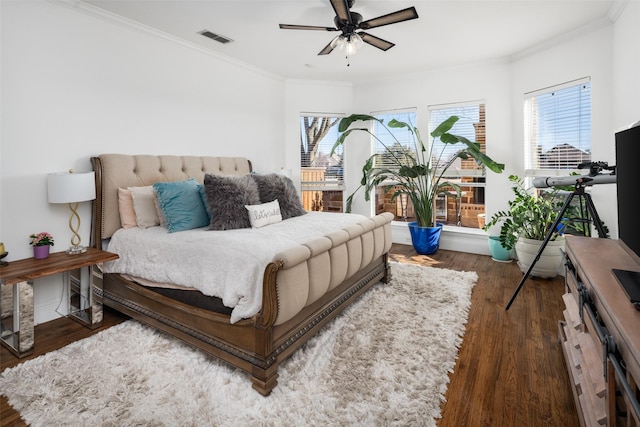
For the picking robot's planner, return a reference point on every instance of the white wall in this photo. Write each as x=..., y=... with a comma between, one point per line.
x=626, y=66
x=76, y=85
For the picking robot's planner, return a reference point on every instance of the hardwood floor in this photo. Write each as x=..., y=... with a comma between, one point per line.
x=510, y=370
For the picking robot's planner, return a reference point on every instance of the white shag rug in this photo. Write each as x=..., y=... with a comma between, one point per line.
x=385, y=361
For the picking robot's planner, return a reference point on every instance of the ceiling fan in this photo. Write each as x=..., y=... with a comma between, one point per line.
x=350, y=24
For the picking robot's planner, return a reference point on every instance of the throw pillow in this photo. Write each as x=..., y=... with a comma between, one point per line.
x=144, y=206
x=158, y=211
x=227, y=196
x=125, y=207
x=181, y=205
x=280, y=187
x=264, y=214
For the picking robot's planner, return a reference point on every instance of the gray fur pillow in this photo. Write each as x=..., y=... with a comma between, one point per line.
x=226, y=196
x=274, y=186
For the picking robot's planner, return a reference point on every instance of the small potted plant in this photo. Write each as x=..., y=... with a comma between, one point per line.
x=41, y=243
x=498, y=252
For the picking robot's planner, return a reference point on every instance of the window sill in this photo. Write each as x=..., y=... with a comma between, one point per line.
x=447, y=228
x=460, y=239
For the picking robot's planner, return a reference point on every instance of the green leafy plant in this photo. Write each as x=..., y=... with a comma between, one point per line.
x=416, y=172
x=529, y=215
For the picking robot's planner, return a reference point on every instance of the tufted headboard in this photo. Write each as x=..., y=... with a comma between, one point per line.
x=123, y=170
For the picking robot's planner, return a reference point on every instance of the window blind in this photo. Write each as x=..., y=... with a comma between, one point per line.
x=319, y=156
x=398, y=141
x=558, y=126
x=471, y=125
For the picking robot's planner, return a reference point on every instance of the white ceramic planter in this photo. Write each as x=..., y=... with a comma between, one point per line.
x=550, y=260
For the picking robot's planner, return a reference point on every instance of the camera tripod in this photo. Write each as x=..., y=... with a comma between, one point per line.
x=591, y=211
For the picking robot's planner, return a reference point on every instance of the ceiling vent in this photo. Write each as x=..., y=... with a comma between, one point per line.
x=216, y=37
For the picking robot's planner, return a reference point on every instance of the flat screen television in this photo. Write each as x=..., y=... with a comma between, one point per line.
x=627, y=185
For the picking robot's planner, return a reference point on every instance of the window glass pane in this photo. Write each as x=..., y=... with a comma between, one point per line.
x=401, y=207
x=322, y=176
x=466, y=207
x=470, y=125
x=398, y=140
x=558, y=127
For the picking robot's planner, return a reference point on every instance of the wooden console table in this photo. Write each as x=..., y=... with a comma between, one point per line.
x=16, y=293
x=600, y=333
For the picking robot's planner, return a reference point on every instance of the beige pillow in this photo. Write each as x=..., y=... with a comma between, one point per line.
x=144, y=206
x=125, y=206
x=156, y=204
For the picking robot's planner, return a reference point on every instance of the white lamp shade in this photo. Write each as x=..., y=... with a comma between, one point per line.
x=68, y=187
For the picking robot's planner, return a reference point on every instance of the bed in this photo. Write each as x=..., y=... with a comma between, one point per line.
x=302, y=287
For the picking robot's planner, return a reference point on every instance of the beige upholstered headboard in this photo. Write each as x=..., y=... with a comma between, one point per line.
x=124, y=170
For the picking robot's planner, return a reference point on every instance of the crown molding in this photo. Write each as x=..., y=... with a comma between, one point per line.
x=549, y=43
x=616, y=9
x=105, y=15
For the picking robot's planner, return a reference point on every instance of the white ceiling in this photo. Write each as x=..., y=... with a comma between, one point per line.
x=447, y=33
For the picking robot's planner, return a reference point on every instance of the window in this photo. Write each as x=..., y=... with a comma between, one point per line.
x=322, y=176
x=558, y=127
x=462, y=209
x=450, y=209
x=401, y=207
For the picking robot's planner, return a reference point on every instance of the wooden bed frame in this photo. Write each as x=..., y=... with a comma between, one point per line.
x=260, y=344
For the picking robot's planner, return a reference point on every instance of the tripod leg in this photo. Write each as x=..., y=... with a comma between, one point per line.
x=541, y=249
x=584, y=216
x=591, y=208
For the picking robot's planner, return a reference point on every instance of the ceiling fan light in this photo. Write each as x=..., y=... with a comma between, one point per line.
x=336, y=42
x=351, y=49
x=352, y=44
x=356, y=41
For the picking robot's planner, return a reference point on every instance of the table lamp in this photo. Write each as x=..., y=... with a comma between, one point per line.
x=72, y=188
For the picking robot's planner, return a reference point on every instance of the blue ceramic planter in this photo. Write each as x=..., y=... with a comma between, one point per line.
x=426, y=240
x=498, y=252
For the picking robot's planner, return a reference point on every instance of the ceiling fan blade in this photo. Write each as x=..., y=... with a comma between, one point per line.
x=341, y=8
x=391, y=18
x=376, y=41
x=306, y=27
x=328, y=48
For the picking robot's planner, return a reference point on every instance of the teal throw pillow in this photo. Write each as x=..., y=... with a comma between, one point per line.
x=181, y=205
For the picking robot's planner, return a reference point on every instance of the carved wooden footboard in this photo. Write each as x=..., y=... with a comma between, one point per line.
x=306, y=287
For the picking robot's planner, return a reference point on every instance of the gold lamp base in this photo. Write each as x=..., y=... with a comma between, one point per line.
x=75, y=247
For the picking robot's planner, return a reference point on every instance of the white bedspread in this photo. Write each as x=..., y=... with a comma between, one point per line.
x=227, y=264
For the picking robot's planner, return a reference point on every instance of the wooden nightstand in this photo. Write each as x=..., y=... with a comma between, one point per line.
x=16, y=293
